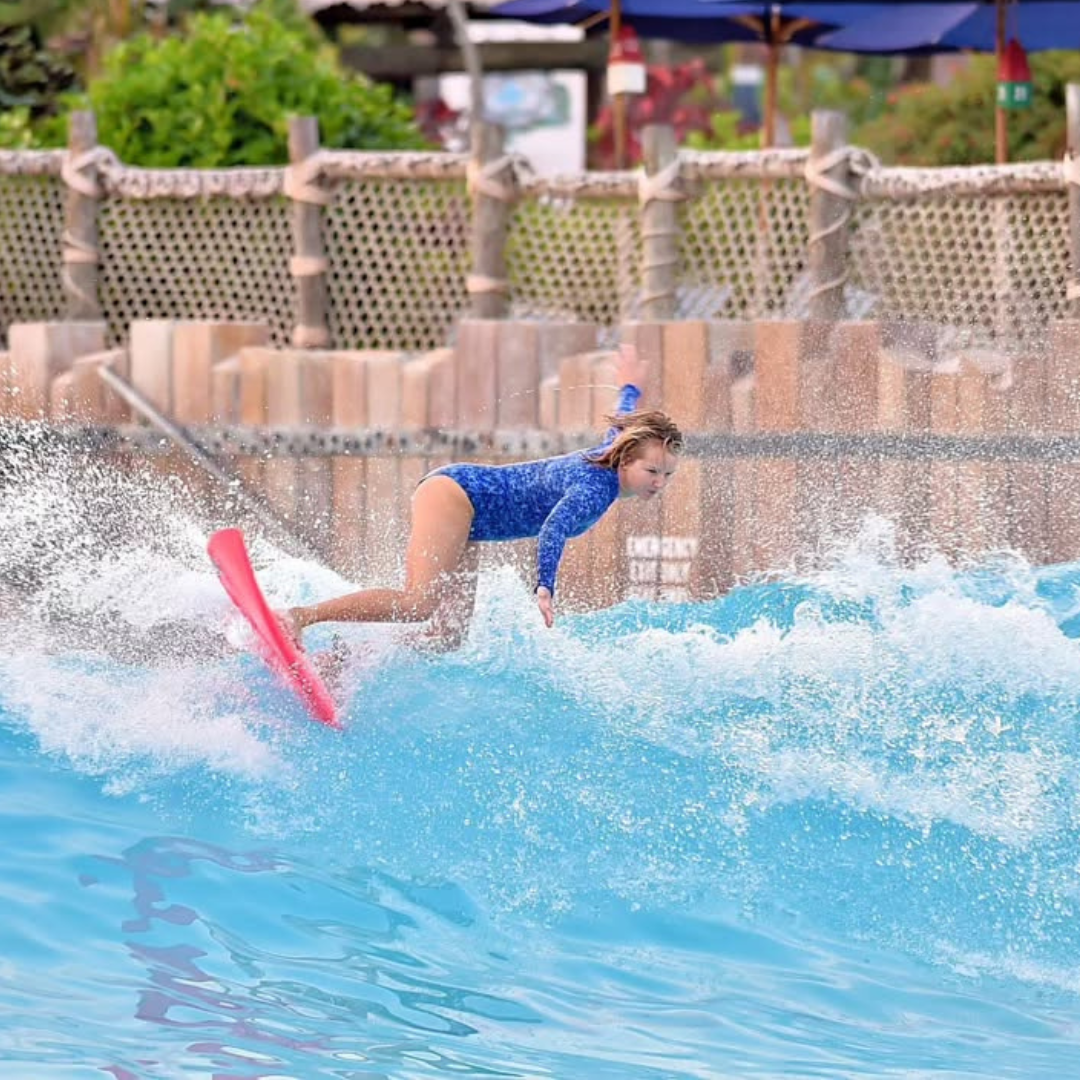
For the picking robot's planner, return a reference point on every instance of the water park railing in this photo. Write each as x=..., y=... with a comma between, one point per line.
x=377, y=250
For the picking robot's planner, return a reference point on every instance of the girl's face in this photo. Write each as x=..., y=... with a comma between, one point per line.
x=648, y=474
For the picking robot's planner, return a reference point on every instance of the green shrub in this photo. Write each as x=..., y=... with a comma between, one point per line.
x=954, y=124
x=724, y=134
x=16, y=132
x=853, y=85
x=221, y=93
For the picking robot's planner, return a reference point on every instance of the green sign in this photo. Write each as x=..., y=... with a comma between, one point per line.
x=1014, y=95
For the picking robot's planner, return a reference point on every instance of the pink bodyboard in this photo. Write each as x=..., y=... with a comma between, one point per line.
x=281, y=654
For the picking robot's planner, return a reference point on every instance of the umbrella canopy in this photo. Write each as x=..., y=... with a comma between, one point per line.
x=907, y=27
x=919, y=26
x=697, y=22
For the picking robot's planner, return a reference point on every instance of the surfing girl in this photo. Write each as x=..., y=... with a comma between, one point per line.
x=456, y=507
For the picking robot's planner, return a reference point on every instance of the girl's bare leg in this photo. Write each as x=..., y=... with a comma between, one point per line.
x=441, y=519
x=449, y=625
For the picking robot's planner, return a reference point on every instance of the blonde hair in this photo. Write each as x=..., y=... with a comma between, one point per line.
x=633, y=431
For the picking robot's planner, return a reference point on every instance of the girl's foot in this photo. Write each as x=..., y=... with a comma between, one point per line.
x=331, y=664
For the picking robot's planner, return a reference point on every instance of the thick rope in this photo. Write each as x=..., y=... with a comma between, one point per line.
x=32, y=162
x=78, y=254
x=301, y=182
x=1070, y=168
x=80, y=173
x=477, y=284
x=662, y=186
x=858, y=163
x=485, y=178
x=77, y=250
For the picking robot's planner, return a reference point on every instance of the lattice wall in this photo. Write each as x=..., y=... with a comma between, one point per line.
x=983, y=248
x=31, y=227
x=218, y=258
x=574, y=259
x=972, y=262
x=745, y=241
x=399, y=256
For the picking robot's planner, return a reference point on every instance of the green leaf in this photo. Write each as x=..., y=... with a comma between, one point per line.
x=222, y=92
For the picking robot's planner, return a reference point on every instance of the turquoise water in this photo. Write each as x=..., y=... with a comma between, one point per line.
x=824, y=827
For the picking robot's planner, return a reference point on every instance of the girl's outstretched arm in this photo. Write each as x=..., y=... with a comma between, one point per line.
x=630, y=368
x=630, y=372
x=576, y=511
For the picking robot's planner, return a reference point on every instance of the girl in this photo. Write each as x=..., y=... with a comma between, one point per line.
x=458, y=506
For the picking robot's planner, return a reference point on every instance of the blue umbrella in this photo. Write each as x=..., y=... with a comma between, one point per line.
x=697, y=22
x=907, y=27
x=980, y=26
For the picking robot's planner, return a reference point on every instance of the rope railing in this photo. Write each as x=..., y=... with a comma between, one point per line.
x=741, y=242
x=897, y=184
x=876, y=181
x=32, y=162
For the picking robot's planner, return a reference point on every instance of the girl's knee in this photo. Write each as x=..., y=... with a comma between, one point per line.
x=420, y=606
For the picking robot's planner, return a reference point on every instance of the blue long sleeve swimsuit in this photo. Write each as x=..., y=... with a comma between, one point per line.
x=552, y=499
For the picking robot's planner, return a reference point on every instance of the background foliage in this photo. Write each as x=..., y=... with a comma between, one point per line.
x=857, y=86
x=32, y=81
x=954, y=124
x=221, y=92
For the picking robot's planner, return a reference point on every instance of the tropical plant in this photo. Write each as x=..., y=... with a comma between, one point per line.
x=725, y=131
x=954, y=124
x=31, y=78
x=83, y=29
x=856, y=87
x=222, y=93
x=684, y=95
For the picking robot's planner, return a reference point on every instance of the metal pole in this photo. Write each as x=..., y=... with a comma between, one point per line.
x=176, y=434
x=1001, y=118
x=619, y=104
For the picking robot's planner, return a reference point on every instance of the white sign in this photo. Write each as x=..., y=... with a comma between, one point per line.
x=660, y=567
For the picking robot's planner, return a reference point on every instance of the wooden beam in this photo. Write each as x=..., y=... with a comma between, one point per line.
x=402, y=62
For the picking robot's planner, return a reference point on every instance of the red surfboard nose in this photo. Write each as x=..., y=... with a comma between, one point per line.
x=229, y=554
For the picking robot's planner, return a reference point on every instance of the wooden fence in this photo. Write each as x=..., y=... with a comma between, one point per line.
x=345, y=249
x=799, y=430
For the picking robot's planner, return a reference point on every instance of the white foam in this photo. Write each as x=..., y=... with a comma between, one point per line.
x=916, y=713
x=908, y=709
x=105, y=719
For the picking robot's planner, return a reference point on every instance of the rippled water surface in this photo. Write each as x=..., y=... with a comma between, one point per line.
x=824, y=827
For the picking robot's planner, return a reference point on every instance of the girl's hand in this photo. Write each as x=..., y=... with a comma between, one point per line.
x=629, y=367
x=546, y=603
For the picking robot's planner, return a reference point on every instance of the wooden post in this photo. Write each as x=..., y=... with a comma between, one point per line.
x=1072, y=162
x=80, y=273
x=1001, y=117
x=828, y=173
x=772, y=83
x=620, y=106
x=309, y=264
x=493, y=194
x=659, y=223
